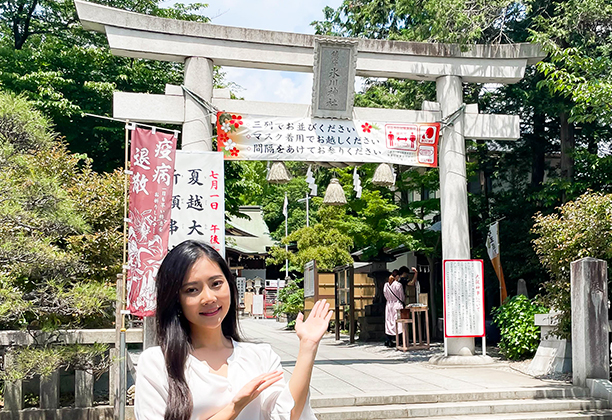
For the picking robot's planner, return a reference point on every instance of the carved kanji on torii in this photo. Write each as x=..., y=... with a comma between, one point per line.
x=202, y=45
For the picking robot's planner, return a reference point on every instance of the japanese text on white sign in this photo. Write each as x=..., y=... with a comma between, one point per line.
x=464, y=312
x=198, y=200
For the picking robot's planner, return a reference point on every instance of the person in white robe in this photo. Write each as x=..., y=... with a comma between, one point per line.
x=394, y=294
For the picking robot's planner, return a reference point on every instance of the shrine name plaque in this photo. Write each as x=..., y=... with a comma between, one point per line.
x=334, y=78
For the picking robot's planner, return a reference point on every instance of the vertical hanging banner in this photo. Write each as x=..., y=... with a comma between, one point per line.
x=198, y=200
x=152, y=166
x=492, y=245
x=464, y=310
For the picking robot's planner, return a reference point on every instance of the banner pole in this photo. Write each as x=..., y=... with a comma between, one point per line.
x=122, y=347
x=286, y=246
x=307, y=212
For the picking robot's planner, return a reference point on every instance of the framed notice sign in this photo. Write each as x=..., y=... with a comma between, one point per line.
x=464, y=310
x=310, y=275
x=258, y=305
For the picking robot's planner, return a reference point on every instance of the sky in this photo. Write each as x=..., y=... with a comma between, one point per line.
x=273, y=15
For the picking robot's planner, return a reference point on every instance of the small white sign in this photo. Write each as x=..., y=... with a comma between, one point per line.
x=464, y=311
x=241, y=285
x=309, y=279
x=258, y=305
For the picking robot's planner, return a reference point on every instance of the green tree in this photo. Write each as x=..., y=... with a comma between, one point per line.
x=321, y=242
x=58, y=253
x=577, y=36
x=66, y=71
x=455, y=21
x=60, y=240
x=581, y=228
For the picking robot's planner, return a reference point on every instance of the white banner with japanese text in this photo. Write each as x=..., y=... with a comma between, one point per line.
x=152, y=165
x=198, y=201
x=492, y=244
x=252, y=137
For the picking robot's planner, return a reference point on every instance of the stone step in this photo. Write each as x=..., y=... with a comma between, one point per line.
x=545, y=415
x=451, y=396
x=457, y=408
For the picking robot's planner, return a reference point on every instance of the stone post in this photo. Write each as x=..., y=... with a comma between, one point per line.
x=197, y=129
x=589, y=288
x=149, y=338
x=49, y=391
x=83, y=388
x=13, y=391
x=453, y=189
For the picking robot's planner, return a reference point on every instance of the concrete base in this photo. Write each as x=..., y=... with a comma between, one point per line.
x=461, y=360
x=600, y=388
x=554, y=355
x=372, y=328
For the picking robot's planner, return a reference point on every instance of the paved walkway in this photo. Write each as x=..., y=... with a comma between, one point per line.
x=372, y=369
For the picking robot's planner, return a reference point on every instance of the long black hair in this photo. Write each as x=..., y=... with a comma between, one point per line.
x=173, y=330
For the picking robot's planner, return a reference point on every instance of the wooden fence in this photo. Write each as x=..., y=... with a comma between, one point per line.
x=49, y=393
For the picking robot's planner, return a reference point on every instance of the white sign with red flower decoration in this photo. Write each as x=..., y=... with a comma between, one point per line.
x=252, y=137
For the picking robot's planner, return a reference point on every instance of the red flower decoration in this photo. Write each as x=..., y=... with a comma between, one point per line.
x=366, y=127
x=234, y=152
x=236, y=120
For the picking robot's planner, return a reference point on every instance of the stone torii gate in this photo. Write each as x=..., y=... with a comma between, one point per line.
x=202, y=45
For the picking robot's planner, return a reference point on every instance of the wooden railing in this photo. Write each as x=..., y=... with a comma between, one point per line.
x=49, y=393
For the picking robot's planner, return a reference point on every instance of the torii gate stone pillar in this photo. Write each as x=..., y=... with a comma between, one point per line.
x=197, y=131
x=200, y=45
x=453, y=189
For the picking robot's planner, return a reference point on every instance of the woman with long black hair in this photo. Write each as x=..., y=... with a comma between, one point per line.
x=202, y=369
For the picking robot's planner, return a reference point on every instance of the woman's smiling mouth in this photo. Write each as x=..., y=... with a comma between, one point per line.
x=213, y=313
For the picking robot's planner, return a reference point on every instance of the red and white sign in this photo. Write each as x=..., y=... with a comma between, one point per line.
x=401, y=136
x=152, y=165
x=198, y=200
x=464, y=309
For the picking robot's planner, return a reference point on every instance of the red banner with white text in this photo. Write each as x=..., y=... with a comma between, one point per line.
x=152, y=164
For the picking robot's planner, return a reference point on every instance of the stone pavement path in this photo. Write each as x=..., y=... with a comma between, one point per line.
x=372, y=369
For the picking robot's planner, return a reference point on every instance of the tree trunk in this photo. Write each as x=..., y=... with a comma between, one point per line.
x=21, y=25
x=432, y=296
x=568, y=143
x=539, y=151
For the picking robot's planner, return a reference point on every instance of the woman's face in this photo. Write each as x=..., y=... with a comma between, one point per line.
x=205, y=295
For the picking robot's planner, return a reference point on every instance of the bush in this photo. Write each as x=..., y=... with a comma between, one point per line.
x=515, y=319
x=579, y=229
x=60, y=241
x=290, y=301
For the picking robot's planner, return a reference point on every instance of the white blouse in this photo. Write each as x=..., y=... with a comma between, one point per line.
x=211, y=392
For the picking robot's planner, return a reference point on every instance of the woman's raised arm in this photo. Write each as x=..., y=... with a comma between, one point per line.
x=310, y=333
